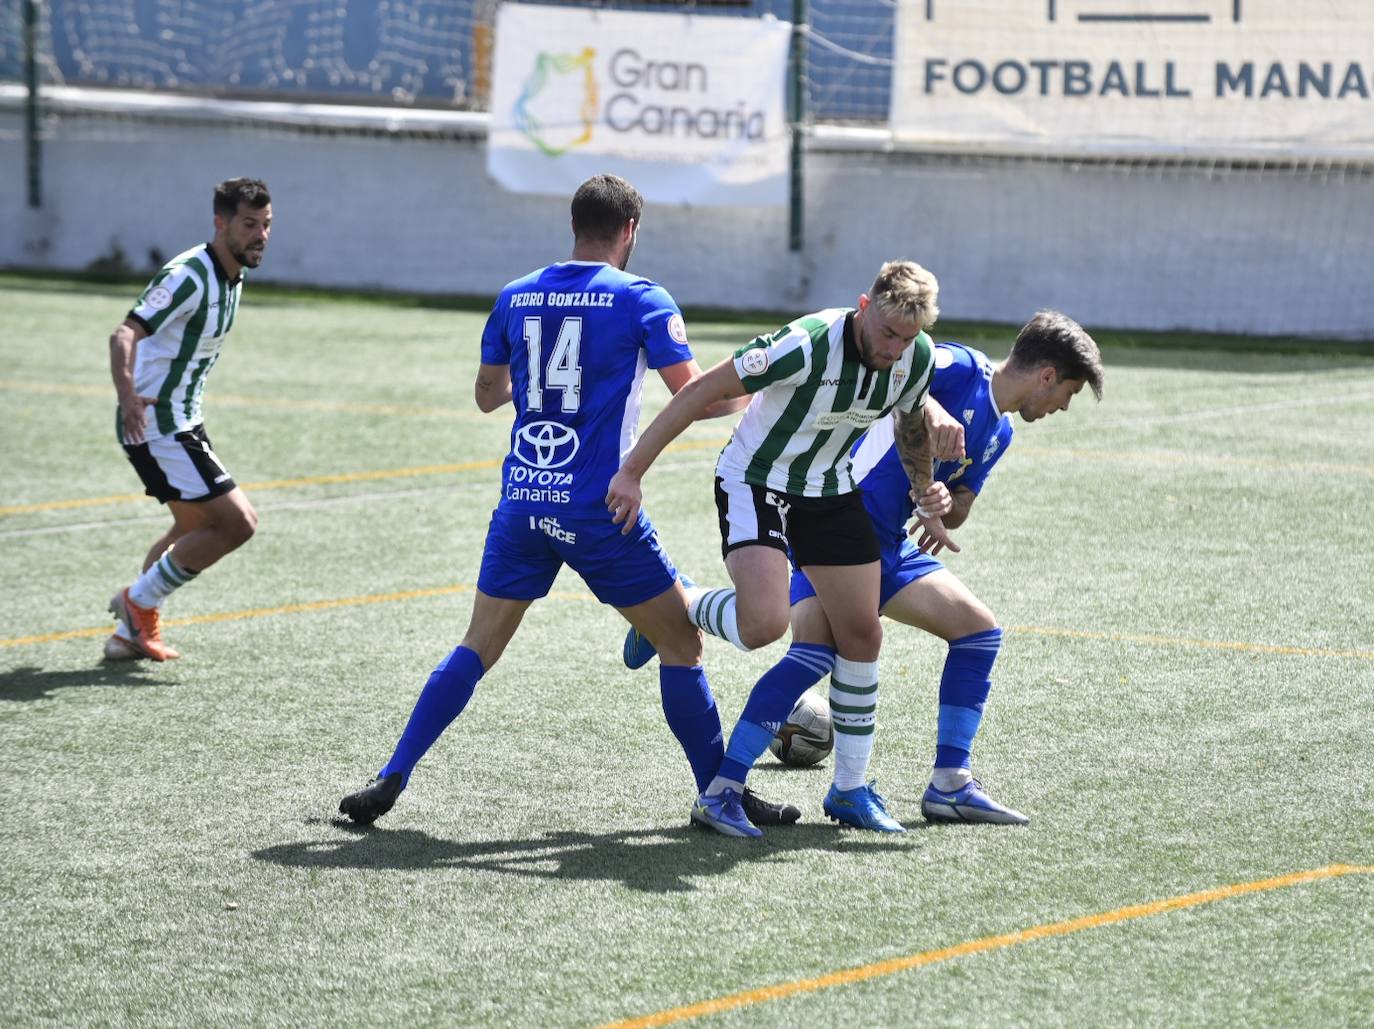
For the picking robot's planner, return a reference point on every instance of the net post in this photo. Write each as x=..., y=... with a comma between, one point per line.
x=32, y=149
x=798, y=84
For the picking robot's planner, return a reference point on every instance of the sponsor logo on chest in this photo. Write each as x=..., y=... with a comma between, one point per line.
x=860, y=419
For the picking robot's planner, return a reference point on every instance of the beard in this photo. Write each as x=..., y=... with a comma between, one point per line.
x=867, y=359
x=249, y=258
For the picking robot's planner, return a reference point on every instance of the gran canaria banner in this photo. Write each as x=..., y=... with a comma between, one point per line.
x=1212, y=78
x=689, y=108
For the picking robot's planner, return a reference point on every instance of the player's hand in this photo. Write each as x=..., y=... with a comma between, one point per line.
x=133, y=414
x=946, y=433
x=935, y=500
x=934, y=536
x=623, y=500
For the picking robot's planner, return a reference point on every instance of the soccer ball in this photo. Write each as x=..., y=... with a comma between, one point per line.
x=807, y=737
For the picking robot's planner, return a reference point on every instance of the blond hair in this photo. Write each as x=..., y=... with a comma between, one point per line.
x=905, y=289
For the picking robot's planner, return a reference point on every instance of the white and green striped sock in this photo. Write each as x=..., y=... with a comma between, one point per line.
x=157, y=583
x=713, y=611
x=854, y=715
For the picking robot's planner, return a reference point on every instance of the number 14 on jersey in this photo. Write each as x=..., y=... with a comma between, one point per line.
x=564, y=372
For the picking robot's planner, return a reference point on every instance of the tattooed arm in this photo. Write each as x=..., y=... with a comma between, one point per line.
x=917, y=448
x=493, y=386
x=914, y=448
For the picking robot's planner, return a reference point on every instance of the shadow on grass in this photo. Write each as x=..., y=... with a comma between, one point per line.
x=656, y=860
x=34, y=683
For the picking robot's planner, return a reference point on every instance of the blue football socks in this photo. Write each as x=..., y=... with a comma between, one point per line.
x=446, y=693
x=690, y=709
x=964, y=688
x=770, y=702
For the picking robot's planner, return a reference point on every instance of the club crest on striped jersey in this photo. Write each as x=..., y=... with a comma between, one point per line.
x=159, y=298
x=755, y=362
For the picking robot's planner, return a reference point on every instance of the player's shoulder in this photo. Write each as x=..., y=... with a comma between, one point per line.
x=817, y=325
x=921, y=353
x=960, y=369
x=183, y=278
x=191, y=264
x=949, y=354
x=526, y=283
x=621, y=281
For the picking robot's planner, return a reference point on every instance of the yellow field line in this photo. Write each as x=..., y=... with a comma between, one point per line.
x=1167, y=457
x=1183, y=641
x=316, y=480
x=310, y=480
x=386, y=598
x=284, y=609
x=980, y=946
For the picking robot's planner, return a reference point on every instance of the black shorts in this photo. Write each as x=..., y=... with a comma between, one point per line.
x=180, y=467
x=815, y=530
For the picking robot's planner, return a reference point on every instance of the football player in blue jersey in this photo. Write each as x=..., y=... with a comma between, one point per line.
x=1050, y=362
x=569, y=345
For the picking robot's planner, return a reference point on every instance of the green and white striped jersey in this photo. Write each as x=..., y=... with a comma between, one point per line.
x=187, y=311
x=813, y=398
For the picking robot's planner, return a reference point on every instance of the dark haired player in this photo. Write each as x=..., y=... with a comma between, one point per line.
x=1050, y=362
x=160, y=358
x=569, y=345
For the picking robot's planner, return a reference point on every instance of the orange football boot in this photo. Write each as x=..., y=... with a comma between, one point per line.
x=145, y=631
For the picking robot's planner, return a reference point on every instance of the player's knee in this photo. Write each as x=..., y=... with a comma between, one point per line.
x=239, y=529
x=861, y=642
x=975, y=617
x=759, y=630
x=680, y=646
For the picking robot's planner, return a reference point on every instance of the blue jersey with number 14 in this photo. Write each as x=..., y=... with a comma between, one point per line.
x=962, y=384
x=578, y=337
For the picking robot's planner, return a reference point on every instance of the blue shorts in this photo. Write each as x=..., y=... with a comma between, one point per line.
x=902, y=564
x=524, y=552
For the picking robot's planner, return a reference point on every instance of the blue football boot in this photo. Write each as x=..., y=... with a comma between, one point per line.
x=723, y=813
x=862, y=807
x=969, y=803
x=638, y=651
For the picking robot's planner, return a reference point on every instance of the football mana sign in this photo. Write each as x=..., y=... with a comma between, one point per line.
x=1211, y=78
x=689, y=108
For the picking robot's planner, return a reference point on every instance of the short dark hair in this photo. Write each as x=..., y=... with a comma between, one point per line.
x=602, y=205
x=1057, y=340
x=232, y=192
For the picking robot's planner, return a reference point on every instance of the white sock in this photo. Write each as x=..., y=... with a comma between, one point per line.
x=719, y=784
x=947, y=780
x=713, y=611
x=157, y=583
x=854, y=715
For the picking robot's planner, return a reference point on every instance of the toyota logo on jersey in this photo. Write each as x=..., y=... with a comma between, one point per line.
x=546, y=444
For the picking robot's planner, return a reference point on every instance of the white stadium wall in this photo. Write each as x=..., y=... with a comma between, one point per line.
x=1253, y=251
